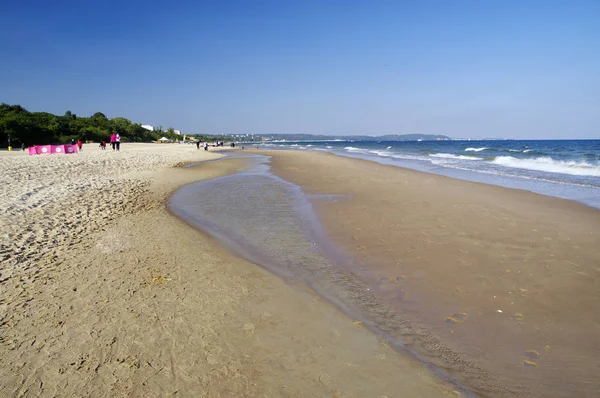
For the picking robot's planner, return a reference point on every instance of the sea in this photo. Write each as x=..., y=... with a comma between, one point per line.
x=568, y=169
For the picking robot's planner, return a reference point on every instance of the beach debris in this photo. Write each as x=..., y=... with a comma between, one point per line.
x=500, y=311
x=508, y=271
x=529, y=364
x=400, y=278
x=457, y=318
x=160, y=278
x=357, y=323
x=546, y=349
x=532, y=354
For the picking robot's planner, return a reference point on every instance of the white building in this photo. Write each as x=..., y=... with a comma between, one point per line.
x=148, y=127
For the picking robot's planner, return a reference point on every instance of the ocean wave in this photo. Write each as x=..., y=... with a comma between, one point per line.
x=450, y=156
x=550, y=165
x=509, y=173
x=528, y=150
x=475, y=149
x=389, y=147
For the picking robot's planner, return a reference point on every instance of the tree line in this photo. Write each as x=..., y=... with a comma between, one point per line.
x=39, y=128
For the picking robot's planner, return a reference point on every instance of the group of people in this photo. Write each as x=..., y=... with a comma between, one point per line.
x=115, y=142
x=204, y=145
x=79, y=144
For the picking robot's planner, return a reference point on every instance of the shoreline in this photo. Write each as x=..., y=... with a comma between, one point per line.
x=493, y=263
x=564, y=175
x=133, y=301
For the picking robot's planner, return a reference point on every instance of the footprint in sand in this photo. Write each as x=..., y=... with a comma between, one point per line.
x=532, y=354
x=457, y=318
x=248, y=328
x=530, y=357
x=520, y=318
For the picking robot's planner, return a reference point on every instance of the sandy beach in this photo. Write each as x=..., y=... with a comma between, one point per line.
x=499, y=287
x=103, y=293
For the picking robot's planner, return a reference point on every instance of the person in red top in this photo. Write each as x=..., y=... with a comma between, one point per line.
x=113, y=140
x=80, y=145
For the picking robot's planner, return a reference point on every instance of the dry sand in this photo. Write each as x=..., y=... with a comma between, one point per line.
x=501, y=287
x=103, y=293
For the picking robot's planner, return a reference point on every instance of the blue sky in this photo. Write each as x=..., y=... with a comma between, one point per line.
x=514, y=69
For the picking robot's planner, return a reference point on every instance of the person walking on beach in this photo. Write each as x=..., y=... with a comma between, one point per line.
x=80, y=145
x=118, y=141
x=113, y=140
x=22, y=146
x=206, y=146
x=198, y=145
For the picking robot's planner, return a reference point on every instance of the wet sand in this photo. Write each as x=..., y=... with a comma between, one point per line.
x=104, y=293
x=498, y=287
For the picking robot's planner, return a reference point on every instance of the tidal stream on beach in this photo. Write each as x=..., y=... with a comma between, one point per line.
x=271, y=222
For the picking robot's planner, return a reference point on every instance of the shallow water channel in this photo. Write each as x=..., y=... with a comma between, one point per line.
x=270, y=222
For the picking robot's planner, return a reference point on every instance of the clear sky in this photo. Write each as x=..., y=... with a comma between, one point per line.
x=485, y=68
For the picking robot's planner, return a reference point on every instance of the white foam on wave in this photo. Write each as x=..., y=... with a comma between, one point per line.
x=450, y=156
x=383, y=153
x=328, y=147
x=550, y=165
x=409, y=157
x=514, y=150
x=389, y=147
x=353, y=149
x=527, y=150
x=475, y=149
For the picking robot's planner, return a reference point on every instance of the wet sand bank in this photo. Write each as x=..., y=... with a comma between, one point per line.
x=503, y=285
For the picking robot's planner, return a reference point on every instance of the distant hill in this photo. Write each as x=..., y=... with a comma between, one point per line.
x=413, y=137
x=311, y=137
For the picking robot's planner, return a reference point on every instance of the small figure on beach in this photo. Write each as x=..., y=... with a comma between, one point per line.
x=103, y=145
x=72, y=141
x=80, y=145
x=206, y=146
x=198, y=145
x=113, y=140
x=118, y=141
x=22, y=146
x=233, y=144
